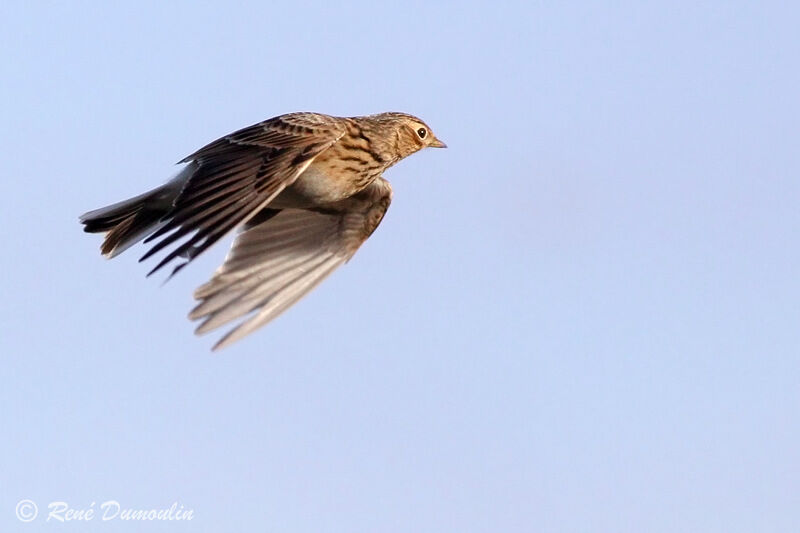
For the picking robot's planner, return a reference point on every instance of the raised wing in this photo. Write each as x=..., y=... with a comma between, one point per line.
x=274, y=263
x=237, y=176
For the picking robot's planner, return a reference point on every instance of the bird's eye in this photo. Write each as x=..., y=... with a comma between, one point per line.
x=422, y=132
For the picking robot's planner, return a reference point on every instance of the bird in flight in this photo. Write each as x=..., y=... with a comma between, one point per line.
x=304, y=191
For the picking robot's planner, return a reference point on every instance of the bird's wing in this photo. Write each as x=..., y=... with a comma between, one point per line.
x=273, y=264
x=237, y=176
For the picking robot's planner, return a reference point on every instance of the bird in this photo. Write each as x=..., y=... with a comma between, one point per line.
x=303, y=191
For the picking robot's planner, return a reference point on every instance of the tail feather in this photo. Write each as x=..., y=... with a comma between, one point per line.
x=126, y=223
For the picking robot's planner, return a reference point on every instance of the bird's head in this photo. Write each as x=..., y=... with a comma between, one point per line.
x=407, y=133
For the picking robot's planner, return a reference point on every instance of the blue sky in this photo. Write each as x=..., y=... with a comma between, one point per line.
x=581, y=316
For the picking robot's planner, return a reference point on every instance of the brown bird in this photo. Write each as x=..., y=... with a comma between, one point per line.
x=304, y=190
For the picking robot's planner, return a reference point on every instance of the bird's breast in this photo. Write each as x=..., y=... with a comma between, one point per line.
x=324, y=181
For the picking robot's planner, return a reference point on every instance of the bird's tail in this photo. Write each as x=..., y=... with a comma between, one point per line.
x=126, y=223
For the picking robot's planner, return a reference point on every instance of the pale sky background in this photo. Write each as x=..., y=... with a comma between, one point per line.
x=582, y=316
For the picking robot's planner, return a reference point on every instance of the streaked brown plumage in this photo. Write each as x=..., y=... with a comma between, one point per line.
x=305, y=191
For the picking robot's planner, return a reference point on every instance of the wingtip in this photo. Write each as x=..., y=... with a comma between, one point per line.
x=222, y=343
x=226, y=340
x=218, y=346
x=203, y=327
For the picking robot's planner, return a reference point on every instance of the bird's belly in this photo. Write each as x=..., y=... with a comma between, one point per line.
x=315, y=187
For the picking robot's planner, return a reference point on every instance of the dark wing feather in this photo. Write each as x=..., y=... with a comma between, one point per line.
x=237, y=176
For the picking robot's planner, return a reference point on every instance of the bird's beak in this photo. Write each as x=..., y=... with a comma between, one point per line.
x=436, y=143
